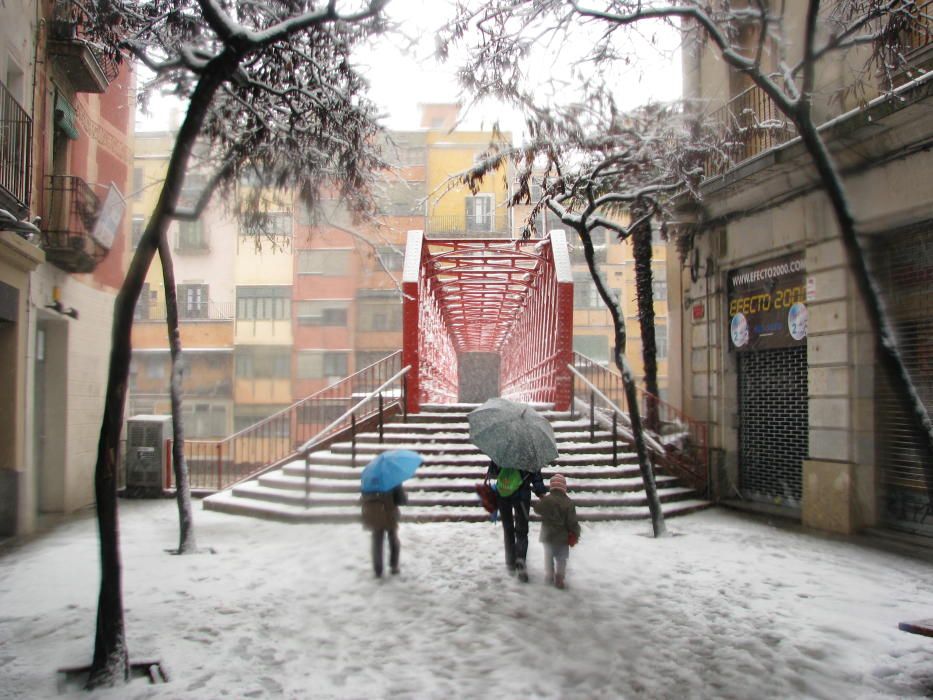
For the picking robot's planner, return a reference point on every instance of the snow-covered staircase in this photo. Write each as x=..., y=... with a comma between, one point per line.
x=444, y=487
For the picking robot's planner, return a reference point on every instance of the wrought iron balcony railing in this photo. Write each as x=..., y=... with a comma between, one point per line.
x=15, y=155
x=748, y=124
x=210, y=310
x=88, y=67
x=67, y=225
x=462, y=226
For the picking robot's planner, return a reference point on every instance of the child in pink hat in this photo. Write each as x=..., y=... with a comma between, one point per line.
x=560, y=529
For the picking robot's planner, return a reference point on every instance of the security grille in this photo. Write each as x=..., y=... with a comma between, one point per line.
x=903, y=265
x=773, y=432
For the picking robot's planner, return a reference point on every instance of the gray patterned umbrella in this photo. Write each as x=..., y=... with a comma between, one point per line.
x=513, y=435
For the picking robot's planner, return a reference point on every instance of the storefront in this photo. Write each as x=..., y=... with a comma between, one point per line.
x=767, y=331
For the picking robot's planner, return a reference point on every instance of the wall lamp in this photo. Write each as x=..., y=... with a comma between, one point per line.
x=57, y=305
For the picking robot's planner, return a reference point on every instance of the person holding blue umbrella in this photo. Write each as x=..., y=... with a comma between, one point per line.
x=382, y=494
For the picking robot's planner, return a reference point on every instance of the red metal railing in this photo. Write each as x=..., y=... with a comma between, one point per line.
x=679, y=445
x=427, y=347
x=217, y=464
x=540, y=344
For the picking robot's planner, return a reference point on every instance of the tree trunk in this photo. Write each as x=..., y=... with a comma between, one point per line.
x=186, y=539
x=110, y=663
x=641, y=249
x=628, y=381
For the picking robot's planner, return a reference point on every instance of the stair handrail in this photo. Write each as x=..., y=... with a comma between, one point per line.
x=324, y=434
x=215, y=465
x=687, y=460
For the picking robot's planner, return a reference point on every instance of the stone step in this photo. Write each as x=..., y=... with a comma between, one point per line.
x=371, y=449
x=440, y=482
x=474, y=459
x=255, y=490
x=326, y=489
x=452, y=417
x=227, y=503
x=465, y=471
x=574, y=432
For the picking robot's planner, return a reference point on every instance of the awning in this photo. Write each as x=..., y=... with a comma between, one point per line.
x=65, y=116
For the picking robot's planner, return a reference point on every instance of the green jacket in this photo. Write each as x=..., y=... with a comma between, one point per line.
x=558, y=517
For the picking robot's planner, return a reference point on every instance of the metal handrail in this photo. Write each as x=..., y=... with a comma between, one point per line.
x=650, y=440
x=321, y=436
x=218, y=464
x=689, y=459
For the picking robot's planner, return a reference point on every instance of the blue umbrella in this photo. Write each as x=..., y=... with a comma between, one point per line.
x=389, y=470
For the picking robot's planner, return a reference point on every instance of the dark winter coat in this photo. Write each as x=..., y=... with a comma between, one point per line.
x=380, y=510
x=558, y=517
x=531, y=481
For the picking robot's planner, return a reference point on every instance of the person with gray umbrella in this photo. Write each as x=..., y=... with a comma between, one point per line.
x=519, y=441
x=513, y=494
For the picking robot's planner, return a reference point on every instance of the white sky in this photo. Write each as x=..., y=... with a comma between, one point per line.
x=402, y=75
x=726, y=607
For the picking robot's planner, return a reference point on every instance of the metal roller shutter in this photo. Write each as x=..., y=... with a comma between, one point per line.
x=774, y=427
x=902, y=262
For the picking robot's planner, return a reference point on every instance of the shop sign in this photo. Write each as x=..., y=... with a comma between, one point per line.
x=767, y=305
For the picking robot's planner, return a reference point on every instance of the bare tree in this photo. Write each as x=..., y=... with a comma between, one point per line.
x=271, y=90
x=503, y=32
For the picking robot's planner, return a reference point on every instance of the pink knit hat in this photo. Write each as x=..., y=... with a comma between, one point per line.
x=559, y=482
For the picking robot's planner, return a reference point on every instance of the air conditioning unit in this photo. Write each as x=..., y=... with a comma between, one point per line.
x=146, y=438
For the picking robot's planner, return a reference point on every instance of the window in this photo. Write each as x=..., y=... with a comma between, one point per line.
x=138, y=227
x=142, y=304
x=325, y=312
x=137, y=183
x=660, y=341
x=204, y=420
x=156, y=367
x=392, y=259
x=365, y=358
x=262, y=363
x=320, y=364
x=379, y=315
x=191, y=236
x=479, y=212
x=600, y=247
x=247, y=416
x=263, y=303
x=275, y=225
x=595, y=347
x=324, y=261
x=585, y=295
x=192, y=301
x=400, y=198
x=191, y=190
x=659, y=285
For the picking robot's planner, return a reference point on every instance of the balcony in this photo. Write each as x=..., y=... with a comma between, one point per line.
x=748, y=124
x=15, y=155
x=496, y=225
x=88, y=68
x=73, y=211
x=147, y=310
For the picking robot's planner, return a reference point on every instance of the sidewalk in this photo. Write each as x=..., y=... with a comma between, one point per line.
x=727, y=607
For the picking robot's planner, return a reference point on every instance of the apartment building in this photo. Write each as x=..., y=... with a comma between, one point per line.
x=772, y=346
x=66, y=143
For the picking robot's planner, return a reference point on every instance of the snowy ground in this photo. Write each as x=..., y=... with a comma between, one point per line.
x=728, y=607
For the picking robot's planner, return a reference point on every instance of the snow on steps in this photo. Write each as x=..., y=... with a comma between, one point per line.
x=444, y=488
